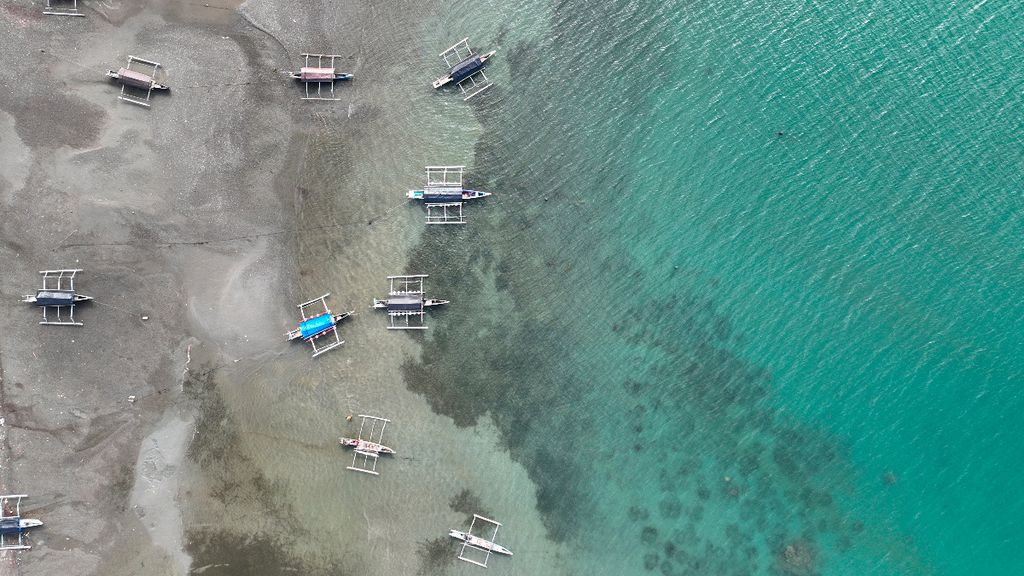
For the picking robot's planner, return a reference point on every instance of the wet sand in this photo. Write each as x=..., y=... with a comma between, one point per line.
x=190, y=214
x=175, y=213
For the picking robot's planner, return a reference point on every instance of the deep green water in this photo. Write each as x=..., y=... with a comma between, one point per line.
x=751, y=279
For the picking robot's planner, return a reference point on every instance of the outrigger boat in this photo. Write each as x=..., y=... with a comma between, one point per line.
x=444, y=194
x=313, y=74
x=58, y=292
x=405, y=301
x=477, y=543
x=137, y=80
x=319, y=72
x=369, y=448
x=315, y=326
x=465, y=68
x=14, y=524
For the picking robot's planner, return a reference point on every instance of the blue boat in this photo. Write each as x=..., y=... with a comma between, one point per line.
x=314, y=327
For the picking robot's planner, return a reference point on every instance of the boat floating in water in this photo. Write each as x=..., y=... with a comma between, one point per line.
x=465, y=69
x=406, y=302
x=485, y=545
x=444, y=194
x=319, y=325
x=370, y=447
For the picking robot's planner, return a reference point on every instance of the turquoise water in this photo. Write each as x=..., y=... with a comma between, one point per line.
x=747, y=297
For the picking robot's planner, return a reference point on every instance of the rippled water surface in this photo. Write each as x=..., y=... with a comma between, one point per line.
x=747, y=297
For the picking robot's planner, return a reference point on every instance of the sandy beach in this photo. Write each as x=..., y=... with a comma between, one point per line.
x=200, y=223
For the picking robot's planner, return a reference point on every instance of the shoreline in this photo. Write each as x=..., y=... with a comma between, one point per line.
x=200, y=468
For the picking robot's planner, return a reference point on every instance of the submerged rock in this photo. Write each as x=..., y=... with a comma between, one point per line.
x=798, y=557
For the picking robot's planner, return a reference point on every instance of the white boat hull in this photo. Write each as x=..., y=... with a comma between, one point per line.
x=479, y=542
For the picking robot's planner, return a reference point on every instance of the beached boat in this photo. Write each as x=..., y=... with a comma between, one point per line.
x=318, y=75
x=135, y=79
x=57, y=297
x=314, y=74
x=14, y=524
x=137, y=87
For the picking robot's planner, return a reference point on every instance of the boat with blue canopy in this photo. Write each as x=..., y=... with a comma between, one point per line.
x=313, y=327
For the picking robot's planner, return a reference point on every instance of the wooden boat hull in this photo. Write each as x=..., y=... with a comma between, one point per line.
x=135, y=79
x=365, y=446
x=466, y=194
x=479, y=542
x=40, y=299
x=336, y=77
x=461, y=71
x=336, y=318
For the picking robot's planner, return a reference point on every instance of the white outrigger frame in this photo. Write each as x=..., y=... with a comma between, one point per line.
x=23, y=524
x=444, y=178
x=445, y=213
x=319, y=85
x=369, y=448
x=128, y=96
x=485, y=541
x=64, y=282
x=437, y=176
x=457, y=53
x=52, y=10
x=333, y=329
x=411, y=284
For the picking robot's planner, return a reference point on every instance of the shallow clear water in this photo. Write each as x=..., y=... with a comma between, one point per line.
x=746, y=298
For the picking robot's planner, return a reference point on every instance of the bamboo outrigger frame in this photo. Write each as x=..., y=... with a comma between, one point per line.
x=443, y=194
x=445, y=213
x=406, y=302
x=472, y=84
x=319, y=70
x=134, y=82
x=57, y=294
x=318, y=322
x=14, y=523
x=53, y=9
x=369, y=447
x=479, y=543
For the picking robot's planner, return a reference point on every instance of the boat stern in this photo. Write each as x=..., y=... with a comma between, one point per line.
x=414, y=194
x=442, y=81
